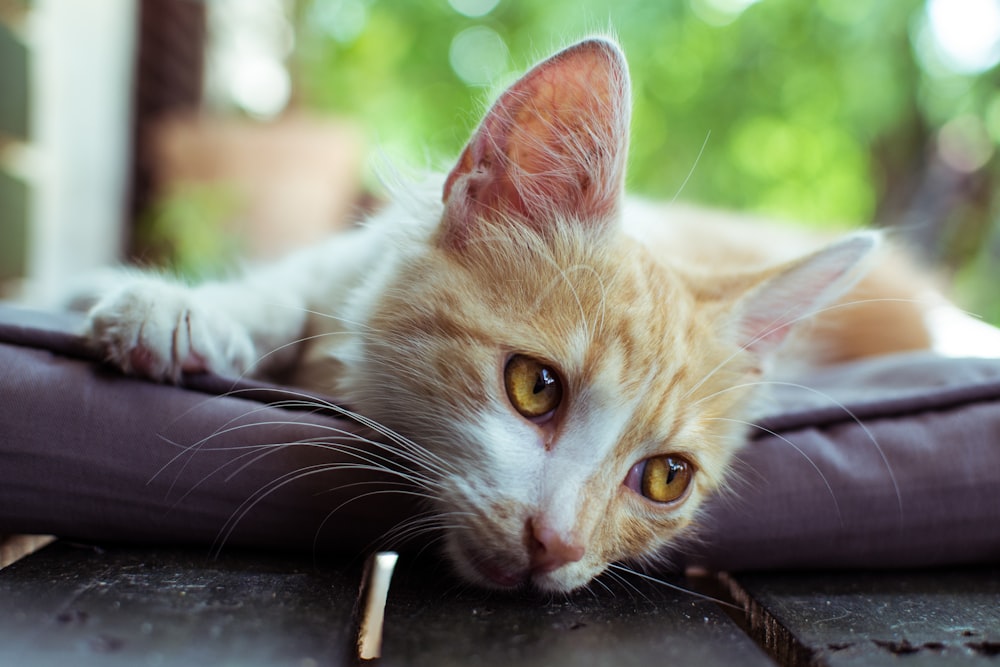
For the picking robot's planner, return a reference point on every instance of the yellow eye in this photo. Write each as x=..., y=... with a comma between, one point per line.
x=533, y=388
x=665, y=479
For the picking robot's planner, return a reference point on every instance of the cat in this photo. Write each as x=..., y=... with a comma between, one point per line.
x=580, y=364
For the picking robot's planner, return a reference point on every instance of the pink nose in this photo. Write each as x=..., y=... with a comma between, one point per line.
x=549, y=550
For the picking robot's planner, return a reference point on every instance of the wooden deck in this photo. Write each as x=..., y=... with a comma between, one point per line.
x=84, y=605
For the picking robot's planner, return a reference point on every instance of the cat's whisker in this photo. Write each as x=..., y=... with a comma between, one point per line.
x=245, y=452
x=365, y=454
x=855, y=302
x=372, y=461
x=380, y=491
x=597, y=581
x=780, y=323
x=251, y=502
x=433, y=461
x=626, y=585
x=355, y=324
x=431, y=522
x=200, y=445
x=826, y=482
x=430, y=544
x=728, y=388
x=261, y=360
x=697, y=159
x=426, y=522
x=430, y=459
x=197, y=445
x=294, y=476
x=850, y=414
x=667, y=584
x=409, y=529
x=421, y=455
x=602, y=303
x=868, y=434
x=564, y=275
x=790, y=323
x=358, y=330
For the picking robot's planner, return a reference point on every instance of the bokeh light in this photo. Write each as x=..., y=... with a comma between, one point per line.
x=473, y=8
x=831, y=112
x=965, y=34
x=478, y=55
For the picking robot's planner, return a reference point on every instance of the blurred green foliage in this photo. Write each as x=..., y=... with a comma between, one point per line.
x=825, y=112
x=793, y=94
x=186, y=230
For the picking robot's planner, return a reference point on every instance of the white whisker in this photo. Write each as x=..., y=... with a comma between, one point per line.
x=694, y=166
x=826, y=482
x=783, y=324
x=847, y=411
x=667, y=584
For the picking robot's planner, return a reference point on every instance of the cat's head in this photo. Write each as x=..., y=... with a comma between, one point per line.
x=581, y=398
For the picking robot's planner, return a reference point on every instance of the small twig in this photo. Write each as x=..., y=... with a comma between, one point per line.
x=371, y=603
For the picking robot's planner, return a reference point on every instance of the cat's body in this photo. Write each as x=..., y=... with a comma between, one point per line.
x=580, y=366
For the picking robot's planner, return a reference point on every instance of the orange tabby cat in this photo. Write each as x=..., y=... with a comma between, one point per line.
x=574, y=365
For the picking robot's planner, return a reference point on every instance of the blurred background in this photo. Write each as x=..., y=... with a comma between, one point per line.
x=182, y=133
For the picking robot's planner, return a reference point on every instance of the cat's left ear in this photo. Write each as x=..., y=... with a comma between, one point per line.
x=552, y=147
x=765, y=316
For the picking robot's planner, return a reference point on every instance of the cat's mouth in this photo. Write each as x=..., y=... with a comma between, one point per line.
x=492, y=571
x=498, y=573
x=502, y=577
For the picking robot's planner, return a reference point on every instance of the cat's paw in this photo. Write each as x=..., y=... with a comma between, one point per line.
x=159, y=330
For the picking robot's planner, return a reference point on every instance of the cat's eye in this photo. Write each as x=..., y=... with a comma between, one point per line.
x=662, y=479
x=534, y=388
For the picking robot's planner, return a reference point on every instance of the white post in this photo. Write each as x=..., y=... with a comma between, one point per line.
x=83, y=59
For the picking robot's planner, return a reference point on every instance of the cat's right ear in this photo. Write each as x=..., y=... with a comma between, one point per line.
x=769, y=311
x=552, y=147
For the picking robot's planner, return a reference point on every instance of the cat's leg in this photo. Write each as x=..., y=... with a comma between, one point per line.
x=150, y=326
x=156, y=328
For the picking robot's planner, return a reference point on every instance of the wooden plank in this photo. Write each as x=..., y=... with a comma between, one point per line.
x=432, y=621
x=81, y=606
x=123, y=606
x=876, y=618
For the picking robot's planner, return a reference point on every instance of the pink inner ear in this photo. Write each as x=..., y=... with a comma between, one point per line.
x=770, y=312
x=554, y=144
x=765, y=327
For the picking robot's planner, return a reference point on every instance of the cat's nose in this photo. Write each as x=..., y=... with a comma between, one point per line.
x=549, y=549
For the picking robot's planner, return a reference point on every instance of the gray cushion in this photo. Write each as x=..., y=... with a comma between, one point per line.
x=90, y=455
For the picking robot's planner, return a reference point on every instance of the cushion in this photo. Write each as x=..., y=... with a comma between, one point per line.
x=88, y=454
x=892, y=462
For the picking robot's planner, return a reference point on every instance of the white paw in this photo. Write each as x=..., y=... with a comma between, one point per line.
x=158, y=330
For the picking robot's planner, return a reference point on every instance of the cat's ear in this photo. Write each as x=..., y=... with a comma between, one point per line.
x=769, y=312
x=553, y=146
